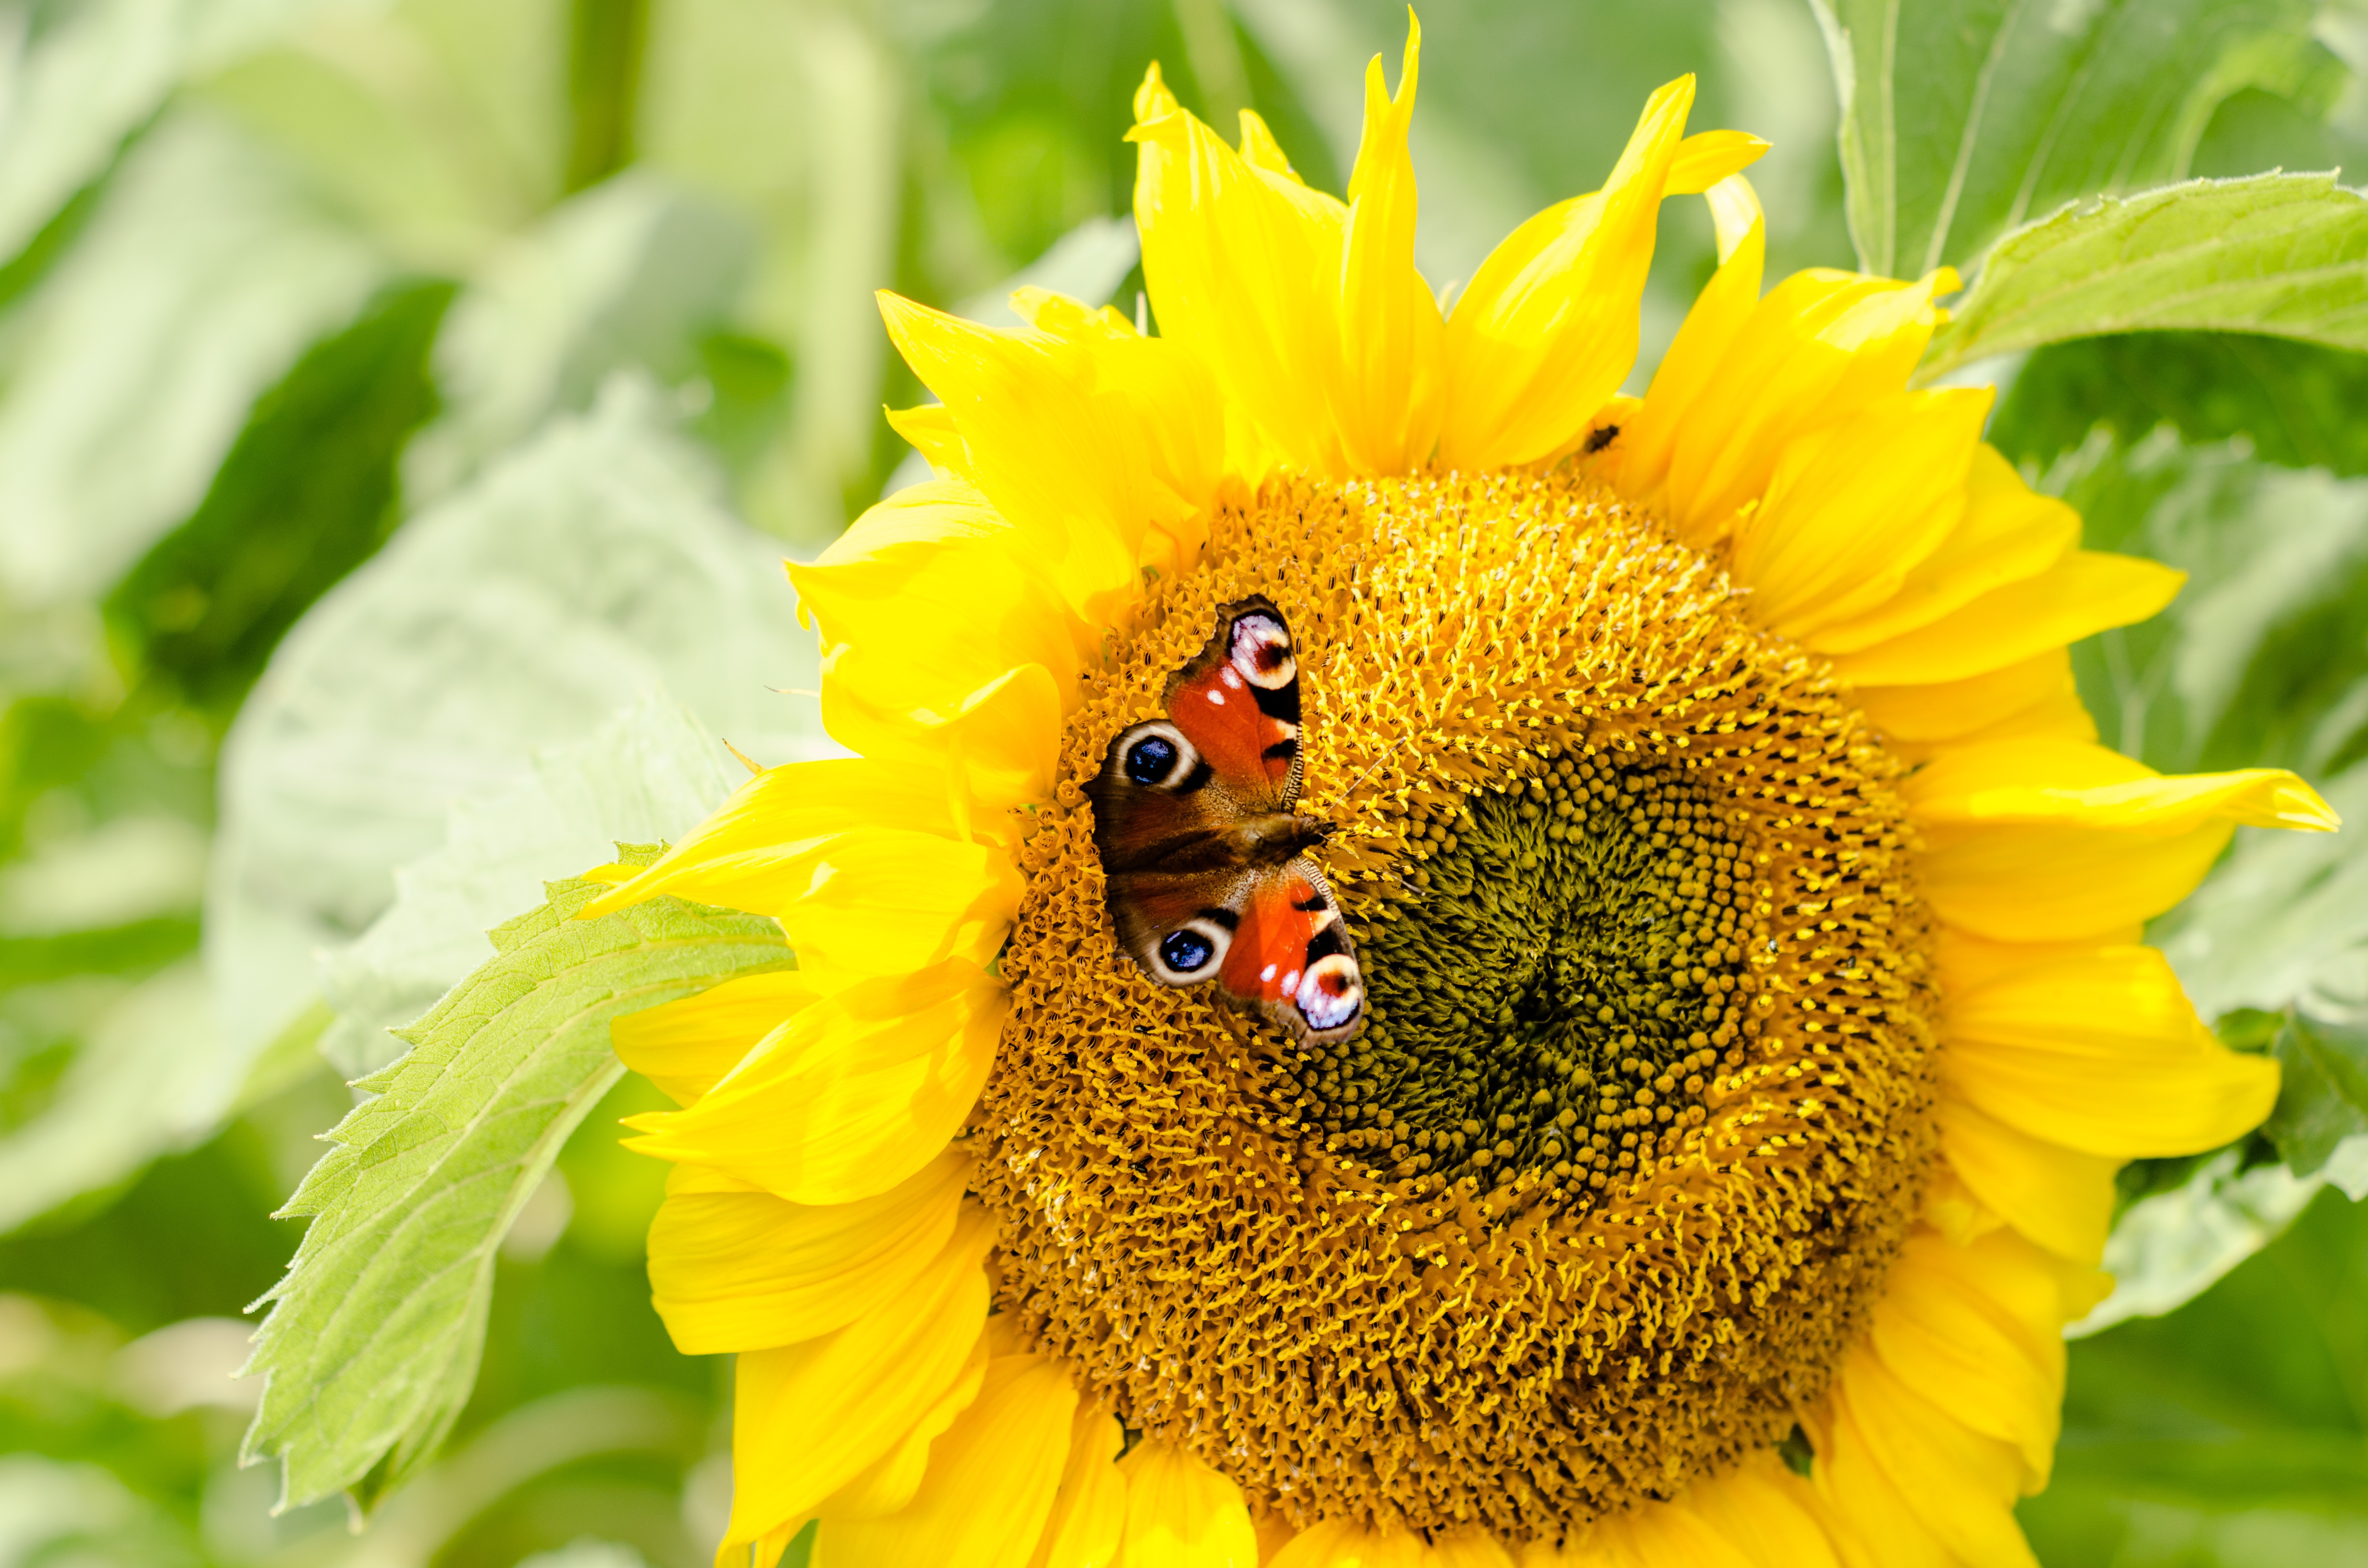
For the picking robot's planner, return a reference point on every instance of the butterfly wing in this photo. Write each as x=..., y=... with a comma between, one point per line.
x=1237, y=702
x=1192, y=819
x=1289, y=957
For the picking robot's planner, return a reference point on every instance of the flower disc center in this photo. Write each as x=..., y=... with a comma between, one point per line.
x=1595, y=1200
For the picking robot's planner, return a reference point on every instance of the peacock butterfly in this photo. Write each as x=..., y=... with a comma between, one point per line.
x=1207, y=865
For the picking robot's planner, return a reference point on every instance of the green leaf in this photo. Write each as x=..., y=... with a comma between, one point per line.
x=652, y=772
x=2168, y=1248
x=2323, y=1095
x=129, y=377
x=2298, y=404
x=373, y=1339
x=1962, y=118
x=2229, y=1434
x=587, y=571
x=306, y=495
x=2285, y=254
x=2256, y=663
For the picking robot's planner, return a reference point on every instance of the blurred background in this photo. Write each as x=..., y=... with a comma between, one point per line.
x=403, y=408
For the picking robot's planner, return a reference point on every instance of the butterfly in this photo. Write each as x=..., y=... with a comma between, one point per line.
x=1207, y=864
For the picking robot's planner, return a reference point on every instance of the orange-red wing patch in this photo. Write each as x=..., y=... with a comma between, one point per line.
x=1238, y=704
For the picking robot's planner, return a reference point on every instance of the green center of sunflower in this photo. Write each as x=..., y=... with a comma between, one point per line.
x=1558, y=986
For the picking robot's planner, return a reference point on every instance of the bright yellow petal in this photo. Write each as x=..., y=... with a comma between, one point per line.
x=854, y=1096
x=2060, y=1197
x=2041, y=840
x=1243, y=265
x=783, y=811
x=2101, y=1053
x=990, y=1484
x=945, y=648
x=1546, y=330
x=1960, y=1485
x=684, y=1047
x=1181, y=1513
x=1340, y=1543
x=733, y=1267
x=1821, y=347
x=890, y=1483
x=808, y=1418
x=1472, y=1548
x=1388, y=396
x=1693, y=363
x=2009, y=533
x=1852, y=507
x=1660, y=1535
x=1957, y=1350
x=1087, y=442
x=2083, y=593
x=1259, y=149
x=1950, y=710
x=1089, y=1508
x=1708, y=158
x=1768, y=1511
x=930, y=430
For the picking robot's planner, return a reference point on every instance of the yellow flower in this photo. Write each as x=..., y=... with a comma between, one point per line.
x=1749, y=917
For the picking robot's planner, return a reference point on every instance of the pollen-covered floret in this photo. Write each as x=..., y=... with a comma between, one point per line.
x=1598, y=1196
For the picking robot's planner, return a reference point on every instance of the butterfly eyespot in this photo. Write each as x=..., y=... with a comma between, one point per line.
x=1261, y=650
x=1332, y=992
x=1150, y=759
x=1187, y=951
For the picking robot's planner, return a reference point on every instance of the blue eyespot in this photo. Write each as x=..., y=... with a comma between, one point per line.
x=1185, y=951
x=1149, y=760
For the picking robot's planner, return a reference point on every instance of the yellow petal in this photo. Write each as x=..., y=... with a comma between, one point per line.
x=1260, y=150
x=1089, y=1508
x=807, y=1418
x=733, y=1267
x=2037, y=840
x=990, y=1483
x=2083, y=593
x=1085, y=443
x=1950, y=710
x=1852, y=507
x=1818, y=348
x=1472, y=1548
x=1954, y=1348
x=1388, y=396
x=780, y=811
x=852, y=1096
x=1546, y=331
x=1693, y=363
x=1919, y=1484
x=2101, y=1053
x=930, y=430
x=1660, y=1535
x=2060, y=1197
x=1768, y=1511
x=890, y=1483
x=928, y=607
x=1341, y=1543
x=1181, y=1513
x=1243, y=266
x=1708, y=158
x=2008, y=533
x=684, y=1047
x=1735, y=214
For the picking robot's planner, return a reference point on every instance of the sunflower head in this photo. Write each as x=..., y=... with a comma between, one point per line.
x=1743, y=914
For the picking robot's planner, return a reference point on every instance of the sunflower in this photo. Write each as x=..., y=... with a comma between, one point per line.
x=1754, y=1011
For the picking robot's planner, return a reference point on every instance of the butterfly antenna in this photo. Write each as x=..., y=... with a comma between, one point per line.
x=1376, y=763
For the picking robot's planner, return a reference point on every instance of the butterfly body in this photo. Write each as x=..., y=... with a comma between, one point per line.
x=1208, y=865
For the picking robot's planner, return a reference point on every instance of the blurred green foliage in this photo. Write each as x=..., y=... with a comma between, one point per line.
x=278, y=283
